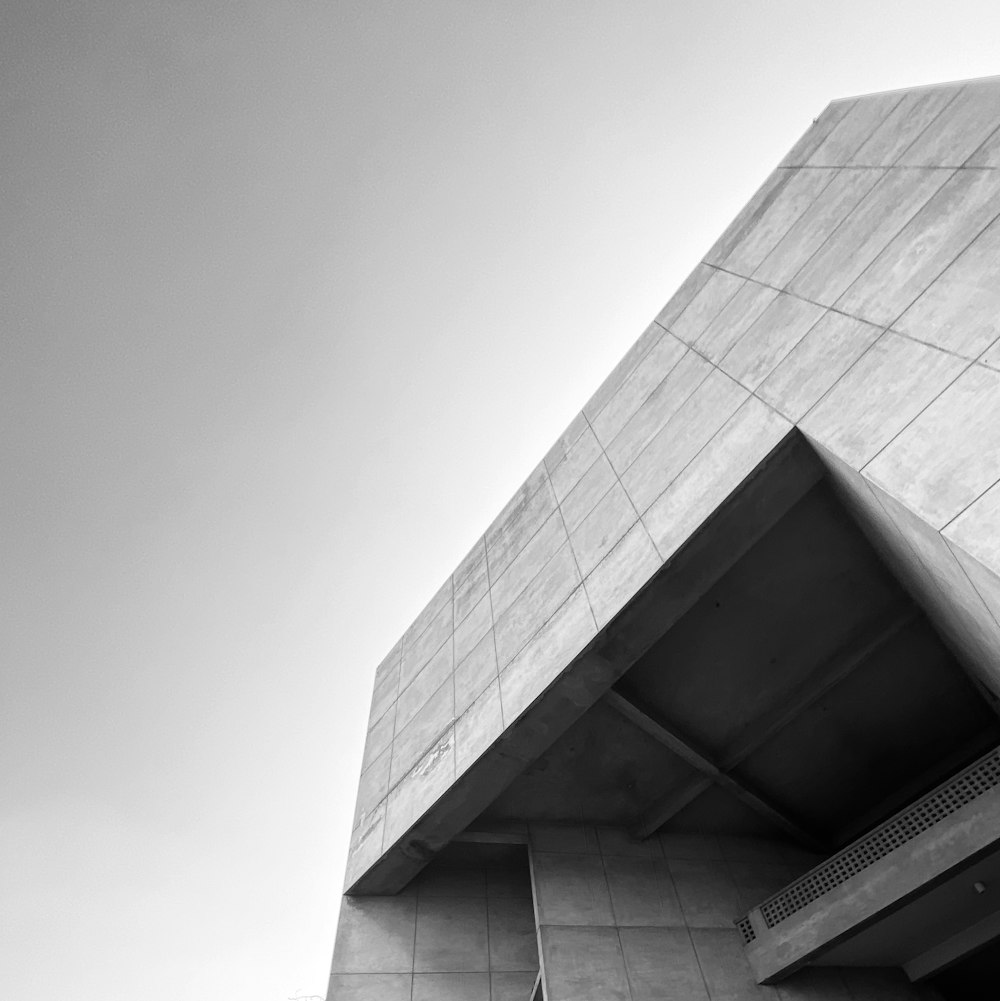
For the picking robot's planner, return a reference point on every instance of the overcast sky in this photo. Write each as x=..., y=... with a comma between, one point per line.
x=294, y=294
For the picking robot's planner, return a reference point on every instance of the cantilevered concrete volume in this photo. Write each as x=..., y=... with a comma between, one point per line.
x=709, y=711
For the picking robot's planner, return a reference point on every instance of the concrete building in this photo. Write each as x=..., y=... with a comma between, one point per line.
x=710, y=710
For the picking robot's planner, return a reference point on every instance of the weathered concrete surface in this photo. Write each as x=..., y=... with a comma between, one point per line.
x=855, y=296
x=880, y=888
x=455, y=934
x=653, y=920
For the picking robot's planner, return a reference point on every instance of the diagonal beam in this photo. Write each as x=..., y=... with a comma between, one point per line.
x=708, y=769
x=818, y=683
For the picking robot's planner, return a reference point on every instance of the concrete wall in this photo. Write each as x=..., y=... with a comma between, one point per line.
x=454, y=934
x=857, y=297
x=621, y=920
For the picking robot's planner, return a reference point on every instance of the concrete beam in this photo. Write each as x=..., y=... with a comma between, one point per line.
x=817, y=684
x=702, y=763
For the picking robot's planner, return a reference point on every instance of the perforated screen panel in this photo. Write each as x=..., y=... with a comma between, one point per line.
x=746, y=930
x=961, y=789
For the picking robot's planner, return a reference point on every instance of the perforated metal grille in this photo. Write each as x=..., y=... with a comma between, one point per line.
x=975, y=780
x=746, y=930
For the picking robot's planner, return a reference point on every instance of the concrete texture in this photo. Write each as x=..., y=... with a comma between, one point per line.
x=884, y=886
x=455, y=934
x=854, y=298
x=653, y=920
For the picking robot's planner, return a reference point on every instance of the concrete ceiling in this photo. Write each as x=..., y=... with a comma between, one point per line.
x=803, y=692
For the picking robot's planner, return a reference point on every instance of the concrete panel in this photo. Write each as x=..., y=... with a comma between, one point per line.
x=373, y=787
x=960, y=129
x=689, y=846
x=383, y=697
x=375, y=935
x=417, y=790
x=642, y=892
x=572, y=838
x=681, y=438
x=661, y=964
x=903, y=125
x=637, y=388
x=880, y=215
x=505, y=882
x=593, y=485
x=765, y=851
x=950, y=454
x=742, y=444
x=438, y=881
x=817, y=132
x=706, y=892
x=565, y=442
x=678, y=302
x=379, y=738
x=472, y=584
x=415, y=696
x=826, y=352
x=936, y=235
x=781, y=326
x=960, y=311
x=878, y=396
x=988, y=155
x=854, y=129
x=618, y=841
x=366, y=843
x=724, y=964
x=518, y=527
x=598, y=533
x=543, y=658
x=833, y=204
x=650, y=336
x=977, y=529
x=511, y=986
x=574, y=462
x=428, y=723
x=370, y=987
x=570, y=889
x=451, y=987
x=657, y=410
x=536, y=604
x=417, y=652
x=478, y=727
x=621, y=573
x=441, y=600
x=737, y=315
x=705, y=306
x=475, y=672
x=452, y=935
x=796, y=196
x=513, y=509
x=528, y=563
x=513, y=945
x=471, y=630
x=583, y=964
x=389, y=667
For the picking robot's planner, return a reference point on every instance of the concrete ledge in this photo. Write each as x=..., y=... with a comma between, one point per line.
x=881, y=888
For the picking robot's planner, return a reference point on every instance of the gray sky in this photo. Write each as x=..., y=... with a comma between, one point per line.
x=294, y=295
